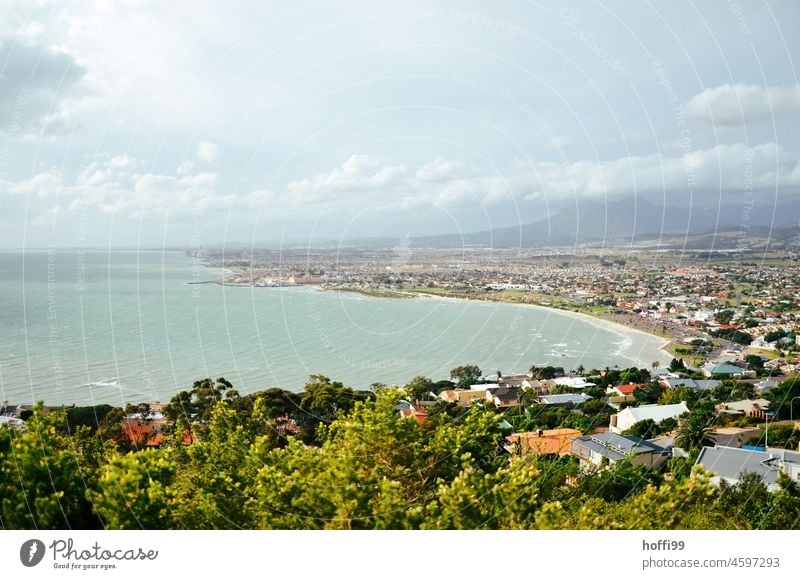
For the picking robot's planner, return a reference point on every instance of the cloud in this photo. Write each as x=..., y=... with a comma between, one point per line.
x=740, y=103
x=113, y=186
x=366, y=185
x=39, y=88
x=207, y=152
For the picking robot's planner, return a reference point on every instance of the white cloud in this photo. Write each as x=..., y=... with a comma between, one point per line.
x=364, y=181
x=367, y=185
x=185, y=167
x=740, y=103
x=114, y=186
x=207, y=152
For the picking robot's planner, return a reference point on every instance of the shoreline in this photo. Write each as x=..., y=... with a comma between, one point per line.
x=611, y=325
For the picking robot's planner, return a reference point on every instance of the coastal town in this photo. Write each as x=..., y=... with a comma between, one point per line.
x=714, y=422
x=704, y=307
x=728, y=401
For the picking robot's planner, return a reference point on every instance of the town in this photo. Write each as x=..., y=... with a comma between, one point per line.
x=749, y=309
x=714, y=430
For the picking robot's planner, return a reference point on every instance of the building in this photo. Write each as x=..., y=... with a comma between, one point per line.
x=563, y=399
x=753, y=408
x=542, y=442
x=408, y=410
x=766, y=384
x=689, y=383
x=730, y=464
x=11, y=422
x=625, y=419
x=623, y=389
x=462, y=395
x=734, y=436
x=596, y=449
x=576, y=382
x=723, y=370
x=504, y=397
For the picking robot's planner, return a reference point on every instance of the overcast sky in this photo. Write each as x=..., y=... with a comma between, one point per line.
x=146, y=122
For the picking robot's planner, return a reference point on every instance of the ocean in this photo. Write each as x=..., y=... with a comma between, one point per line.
x=92, y=327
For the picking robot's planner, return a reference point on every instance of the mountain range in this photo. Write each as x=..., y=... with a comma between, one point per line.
x=624, y=220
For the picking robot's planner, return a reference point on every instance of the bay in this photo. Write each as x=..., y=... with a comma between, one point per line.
x=91, y=327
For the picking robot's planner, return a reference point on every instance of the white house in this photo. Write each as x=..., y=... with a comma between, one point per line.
x=573, y=382
x=625, y=419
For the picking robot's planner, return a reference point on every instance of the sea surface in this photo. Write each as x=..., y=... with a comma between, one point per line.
x=91, y=327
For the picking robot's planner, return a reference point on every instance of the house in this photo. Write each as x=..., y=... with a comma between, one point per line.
x=142, y=433
x=24, y=410
x=482, y=387
x=689, y=383
x=623, y=389
x=724, y=370
x=504, y=397
x=462, y=395
x=11, y=422
x=595, y=449
x=625, y=419
x=542, y=442
x=518, y=380
x=733, y=436
x=408, y=410
x=536, y=386
x=752, y=408
x=576, y=382
x=729, y=464
x=662, y=373
x=563, y=399
x=766, y=384
x=616, y=402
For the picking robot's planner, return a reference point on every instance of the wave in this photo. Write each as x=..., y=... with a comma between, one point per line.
x=109, y=383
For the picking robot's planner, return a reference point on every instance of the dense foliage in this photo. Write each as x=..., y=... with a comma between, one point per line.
x=352, y=463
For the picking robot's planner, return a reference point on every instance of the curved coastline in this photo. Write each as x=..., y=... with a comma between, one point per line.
x=609, y=325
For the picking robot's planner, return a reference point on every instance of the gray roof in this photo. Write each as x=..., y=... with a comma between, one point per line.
x=564, y=398
x=617, y=446
x=693, y=384
x=731, y=463
x=506, y=393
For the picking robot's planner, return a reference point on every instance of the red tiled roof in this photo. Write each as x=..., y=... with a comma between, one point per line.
x=627, y=389
x=146, y=434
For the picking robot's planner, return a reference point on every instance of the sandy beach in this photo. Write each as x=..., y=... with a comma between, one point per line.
x=652, y=349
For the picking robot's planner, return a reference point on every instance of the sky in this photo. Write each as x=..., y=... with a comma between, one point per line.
x=144, y=123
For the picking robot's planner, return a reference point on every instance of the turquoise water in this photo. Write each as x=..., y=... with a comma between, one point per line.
x=115, y=327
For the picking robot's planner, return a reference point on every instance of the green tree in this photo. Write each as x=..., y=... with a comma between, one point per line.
x=748, y=502
x=134, y=491
x=724, y=317
x=743, y=391
x=650, y=393
x=419, y=387
x=676, y=365
x=786, y=504
x=782, y=398
x=695, y=432
x=643, y=429
x=43, y=474
x=466, y=375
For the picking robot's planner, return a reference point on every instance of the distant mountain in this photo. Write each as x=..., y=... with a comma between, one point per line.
x=620, y=220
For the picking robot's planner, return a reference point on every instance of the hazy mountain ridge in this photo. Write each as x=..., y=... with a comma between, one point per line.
x=626, y=220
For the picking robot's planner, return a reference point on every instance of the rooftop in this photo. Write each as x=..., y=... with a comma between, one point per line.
x=617, y=446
